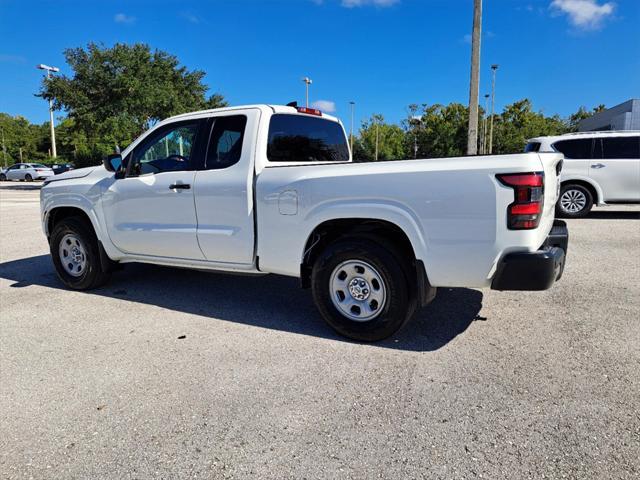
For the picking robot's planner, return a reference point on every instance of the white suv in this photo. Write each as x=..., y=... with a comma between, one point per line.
x=599, y=167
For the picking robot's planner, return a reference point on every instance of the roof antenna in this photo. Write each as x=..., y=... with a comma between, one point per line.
x=292, y=104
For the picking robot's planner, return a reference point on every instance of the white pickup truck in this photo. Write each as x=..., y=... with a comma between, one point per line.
x=272, y=189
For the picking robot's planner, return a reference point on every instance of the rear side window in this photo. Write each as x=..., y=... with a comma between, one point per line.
x=225, y=142
x=579, y=148
x=298, y=138
x=621, y=147
x=532, y=147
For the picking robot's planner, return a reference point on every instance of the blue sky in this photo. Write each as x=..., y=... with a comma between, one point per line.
x=382, y=54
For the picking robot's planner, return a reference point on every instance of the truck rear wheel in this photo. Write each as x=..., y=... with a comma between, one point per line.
x=76, y=256
x=361, y=289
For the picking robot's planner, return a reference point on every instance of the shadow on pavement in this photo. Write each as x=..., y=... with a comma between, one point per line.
x=27, y=186
x=615, y=215
x=269, y=301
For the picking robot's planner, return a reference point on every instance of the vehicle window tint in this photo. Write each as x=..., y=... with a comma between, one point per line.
x=38, y=165
x=225, y=142
x=14, y=167
x=298, y=138
x=168, y=150
x=579, y=148
x=621, y=147
x=532, y=147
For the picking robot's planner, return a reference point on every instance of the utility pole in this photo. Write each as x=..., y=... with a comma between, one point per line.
x=483, y=140
x=307, y=82
x=494, y=68
x=474, y=84
x=49, y=69
x=377, y=123
x=353, y=106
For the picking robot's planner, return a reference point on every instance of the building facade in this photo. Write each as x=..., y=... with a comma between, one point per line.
x=625, y=116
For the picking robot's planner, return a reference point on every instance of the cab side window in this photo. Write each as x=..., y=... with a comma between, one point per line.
x=225, y=141
x=167, y=150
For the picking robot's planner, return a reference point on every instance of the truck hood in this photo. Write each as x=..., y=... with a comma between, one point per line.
x=79, y=173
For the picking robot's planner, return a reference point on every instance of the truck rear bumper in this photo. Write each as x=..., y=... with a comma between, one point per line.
x=534, y=270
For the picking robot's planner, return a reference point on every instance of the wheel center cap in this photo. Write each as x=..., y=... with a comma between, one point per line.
x=359, y=288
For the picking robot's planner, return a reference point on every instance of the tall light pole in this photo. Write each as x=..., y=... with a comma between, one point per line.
x=4, y=149
x=474, y=84
x=494, y=68
x=49, y=69
x=377, y=123
x=307, y=82
x=353, y=106
x=483, y=141
x=416, y=122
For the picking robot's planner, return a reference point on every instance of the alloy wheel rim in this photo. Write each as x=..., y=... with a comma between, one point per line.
x=73, y=255
x=357, y=290
x=573, y=201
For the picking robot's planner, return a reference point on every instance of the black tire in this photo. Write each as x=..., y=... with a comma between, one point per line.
x=28, y=178
x=582, y=196
x=3, y=177
x=399, y=305
x=93, y=275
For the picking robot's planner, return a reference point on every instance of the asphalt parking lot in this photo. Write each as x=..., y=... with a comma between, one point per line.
x=485, y=384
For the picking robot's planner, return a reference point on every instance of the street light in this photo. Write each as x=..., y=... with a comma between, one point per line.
x=353, y=106
x=308, y=82
x=494, y=68
x=49, y=69
x=416, y=122
x=483, y=141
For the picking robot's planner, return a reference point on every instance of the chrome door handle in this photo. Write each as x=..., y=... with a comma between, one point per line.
x=598, y=165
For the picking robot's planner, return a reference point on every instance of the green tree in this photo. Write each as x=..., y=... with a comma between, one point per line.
x=441, y=130
x=391, y=141
x=115, y=94
x=582, y=113
x=518, y=122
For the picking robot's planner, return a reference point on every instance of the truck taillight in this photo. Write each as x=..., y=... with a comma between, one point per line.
x=524, y=213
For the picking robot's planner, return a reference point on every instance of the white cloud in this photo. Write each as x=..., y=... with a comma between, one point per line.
x=584, y=14
x=191, y=17
x=123, y=18
x=363, y=3
x=325, y=105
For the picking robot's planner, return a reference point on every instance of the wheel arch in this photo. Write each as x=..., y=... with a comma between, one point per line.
x=587, y=183
x=382, y=230
x=58, y=213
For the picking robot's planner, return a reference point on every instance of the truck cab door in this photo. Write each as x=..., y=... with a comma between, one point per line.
x=616, y=167
x=151, y=210
x=224, y=188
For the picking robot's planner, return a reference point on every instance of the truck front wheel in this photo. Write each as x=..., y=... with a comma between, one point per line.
x=76, y=255
x=361, y=289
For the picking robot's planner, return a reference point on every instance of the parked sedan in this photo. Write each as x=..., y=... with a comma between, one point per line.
x=27, y=172
x=59, y=168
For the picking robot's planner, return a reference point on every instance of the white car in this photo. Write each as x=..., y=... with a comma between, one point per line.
x=599, y=168
x=272, y=189
x=27, y=172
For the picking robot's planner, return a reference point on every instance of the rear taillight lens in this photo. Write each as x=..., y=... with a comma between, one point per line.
x=525, y=212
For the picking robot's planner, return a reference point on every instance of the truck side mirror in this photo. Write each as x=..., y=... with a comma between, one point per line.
x=113, y=162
